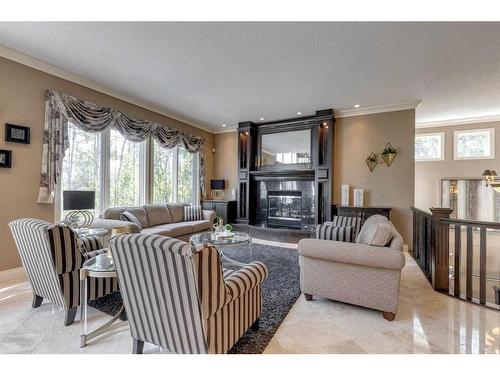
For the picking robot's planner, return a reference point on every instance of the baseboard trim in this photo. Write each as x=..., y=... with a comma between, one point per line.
x=14, y=273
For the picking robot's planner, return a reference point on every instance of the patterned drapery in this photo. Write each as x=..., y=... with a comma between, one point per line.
x=62, y=108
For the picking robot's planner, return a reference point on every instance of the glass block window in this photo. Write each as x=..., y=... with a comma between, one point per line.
x=429, y=146
x=474, y=144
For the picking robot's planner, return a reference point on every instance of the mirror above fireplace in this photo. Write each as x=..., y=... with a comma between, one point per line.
x=286, y=148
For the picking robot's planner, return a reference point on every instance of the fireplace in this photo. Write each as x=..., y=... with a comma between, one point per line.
x=284, y=209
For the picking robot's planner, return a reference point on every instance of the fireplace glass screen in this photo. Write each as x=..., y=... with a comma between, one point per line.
x=284, y=209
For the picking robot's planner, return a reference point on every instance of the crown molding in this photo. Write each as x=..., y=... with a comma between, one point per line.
x=48, y=68
x=225, y=130
x=459, y=121
x=377, y=109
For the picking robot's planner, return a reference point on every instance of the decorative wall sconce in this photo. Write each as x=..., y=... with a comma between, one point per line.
x=389, y=154
x=492, y=179
x=372, y=161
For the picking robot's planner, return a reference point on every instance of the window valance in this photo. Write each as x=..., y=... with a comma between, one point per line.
x=62, y=108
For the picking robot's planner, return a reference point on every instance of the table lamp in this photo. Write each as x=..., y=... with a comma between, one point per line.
x=78, y=202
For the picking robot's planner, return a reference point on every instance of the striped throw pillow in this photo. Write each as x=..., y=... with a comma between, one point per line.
x=328, y=232
x=192, y=213
x=346, y=221
x=130, y=217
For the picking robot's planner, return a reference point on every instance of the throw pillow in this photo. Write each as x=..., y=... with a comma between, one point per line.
x=375, y=232
x=346, y=221
x=192, y=213
x=328, y=232
x=130, y=217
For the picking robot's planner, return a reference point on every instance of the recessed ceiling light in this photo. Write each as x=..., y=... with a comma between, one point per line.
x=262, y=119
x=224, y=125
x=299, y=113
x=357, y=105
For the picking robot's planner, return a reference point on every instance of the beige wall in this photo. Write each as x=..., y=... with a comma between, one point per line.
x=355, y=138
x=428, y=174
x=22, y=92
x=226, y=161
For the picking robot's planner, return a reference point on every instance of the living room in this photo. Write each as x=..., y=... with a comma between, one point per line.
x=276, y=188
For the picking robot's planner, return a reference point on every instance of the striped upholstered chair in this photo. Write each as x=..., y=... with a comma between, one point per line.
x=52, y=256
x=180, y=298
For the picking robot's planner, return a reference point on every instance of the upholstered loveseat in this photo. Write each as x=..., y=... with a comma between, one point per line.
x=166, y=220
x=358, y=273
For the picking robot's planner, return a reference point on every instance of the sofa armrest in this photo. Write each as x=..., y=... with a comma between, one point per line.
x=209, y=215
x=110, y=224
x=352, y=253
x=247, y=277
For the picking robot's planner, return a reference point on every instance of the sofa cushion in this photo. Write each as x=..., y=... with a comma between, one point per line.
x=170, y=230
x=115, y=212
x=328, y=232
x=376, y=231
x=192, y=213
x=346, y=221
x=130, y=217
x=176, y=212
x=158, y=214
x=200, y=225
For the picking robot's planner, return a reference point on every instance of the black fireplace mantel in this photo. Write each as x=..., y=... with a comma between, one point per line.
x=320, y=169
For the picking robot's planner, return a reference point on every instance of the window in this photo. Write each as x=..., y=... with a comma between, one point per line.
x=163, y=174
x=175, y=175
x=116, y=169
x=474, y=144
x=81, y=168
x=126, y=171
x=429, y=146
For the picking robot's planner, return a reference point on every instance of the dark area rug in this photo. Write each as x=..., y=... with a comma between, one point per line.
x=279, y=292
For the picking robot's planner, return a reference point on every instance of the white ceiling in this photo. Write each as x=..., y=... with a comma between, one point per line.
x=215, y=73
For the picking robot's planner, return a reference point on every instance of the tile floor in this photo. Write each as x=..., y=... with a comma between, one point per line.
x=427, y=322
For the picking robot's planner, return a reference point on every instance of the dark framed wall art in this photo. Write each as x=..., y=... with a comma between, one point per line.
x=5, y=158
x=17, y=133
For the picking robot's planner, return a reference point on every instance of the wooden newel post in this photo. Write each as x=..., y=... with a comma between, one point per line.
x=440, y=252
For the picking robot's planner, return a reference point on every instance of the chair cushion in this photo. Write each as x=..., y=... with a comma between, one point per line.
x=375, y=231
x=130, y=217
x=328, y=232
x=158, y=214
x=176, y=212
x=192, y=213
x=346, y=221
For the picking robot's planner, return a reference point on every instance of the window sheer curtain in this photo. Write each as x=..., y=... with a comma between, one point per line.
x=61, y=108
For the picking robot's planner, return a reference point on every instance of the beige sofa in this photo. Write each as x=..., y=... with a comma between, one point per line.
x=355, y=273
x=166, y=220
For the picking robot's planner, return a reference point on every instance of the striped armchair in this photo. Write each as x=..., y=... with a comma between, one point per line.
x=180, y=298
x=52, y=256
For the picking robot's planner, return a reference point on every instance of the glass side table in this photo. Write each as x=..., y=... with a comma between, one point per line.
x=100, y=266
x=223, y=243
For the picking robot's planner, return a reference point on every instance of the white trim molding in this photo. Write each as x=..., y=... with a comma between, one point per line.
x=45, y=67
x=17, y=274
x=376, y=109
x=459, y=121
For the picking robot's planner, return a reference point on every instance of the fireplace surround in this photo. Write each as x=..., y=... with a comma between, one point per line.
x=287, y=186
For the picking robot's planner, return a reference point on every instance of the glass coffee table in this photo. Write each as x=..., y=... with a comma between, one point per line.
x=100, y=266
x=224, y=243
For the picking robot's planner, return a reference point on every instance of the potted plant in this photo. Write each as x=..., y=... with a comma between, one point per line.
x=227, y=229
x=389, y=154
x=372, y=161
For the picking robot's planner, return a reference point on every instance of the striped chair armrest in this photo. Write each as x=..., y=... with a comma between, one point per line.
x=90, y=243
x=247, y=277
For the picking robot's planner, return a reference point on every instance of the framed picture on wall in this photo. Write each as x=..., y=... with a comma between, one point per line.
x=17, y=133
x=5, y=158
